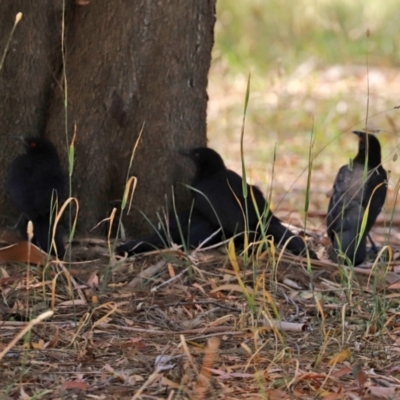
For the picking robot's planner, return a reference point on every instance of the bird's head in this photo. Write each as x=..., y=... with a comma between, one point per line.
x=368, y=145
x=207, y=161
x=37, y=145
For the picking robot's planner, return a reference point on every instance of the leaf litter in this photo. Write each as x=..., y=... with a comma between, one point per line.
x=304, y=329
x=206, y=325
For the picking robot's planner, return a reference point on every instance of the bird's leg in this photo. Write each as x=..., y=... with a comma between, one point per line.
x=375, y=249
x=373, y=245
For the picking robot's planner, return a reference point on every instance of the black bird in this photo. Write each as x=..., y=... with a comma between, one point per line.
x=35, y=181
x=186, y=227
x=359, y=187
x=218, y=196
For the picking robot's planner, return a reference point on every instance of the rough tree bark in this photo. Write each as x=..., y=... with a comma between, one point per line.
x=128, y=63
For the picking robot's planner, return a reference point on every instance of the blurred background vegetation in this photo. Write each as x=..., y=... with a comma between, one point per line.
x=319, y=69
x=261, y=32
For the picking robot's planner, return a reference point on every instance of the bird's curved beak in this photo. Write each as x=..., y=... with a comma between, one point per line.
x=360, y=135
x=20, y=138
x=185, y=153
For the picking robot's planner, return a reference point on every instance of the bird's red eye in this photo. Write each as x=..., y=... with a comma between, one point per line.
x=33, y=144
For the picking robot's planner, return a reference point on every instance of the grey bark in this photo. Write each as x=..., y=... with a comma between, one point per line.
x=128, y=63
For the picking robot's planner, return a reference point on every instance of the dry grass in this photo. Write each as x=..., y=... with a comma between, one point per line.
x=323, y=105
x=334, y=330
x=173, y=326
x=287, y=113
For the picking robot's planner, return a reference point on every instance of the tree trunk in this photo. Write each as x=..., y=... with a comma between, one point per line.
x=128, y=64
x=26, y=77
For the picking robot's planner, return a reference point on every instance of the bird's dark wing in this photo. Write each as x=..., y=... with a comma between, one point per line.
x=377, y=179
x=282, y=234
x=30, y=185
x=220, y=199
x=30, y=182
x=347, y=189
x=346, y=234
x=50, y=185
x=227, y=209
x=20, y=185
x=214, y=199
x=350, y=191
x=346, y=212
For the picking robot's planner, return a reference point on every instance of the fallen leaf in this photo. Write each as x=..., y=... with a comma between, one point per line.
x=70, y=385
x=342, y=372
x=339, y=357
x=24, y=252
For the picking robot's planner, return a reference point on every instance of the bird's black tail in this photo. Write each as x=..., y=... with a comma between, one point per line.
x=282, y=234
